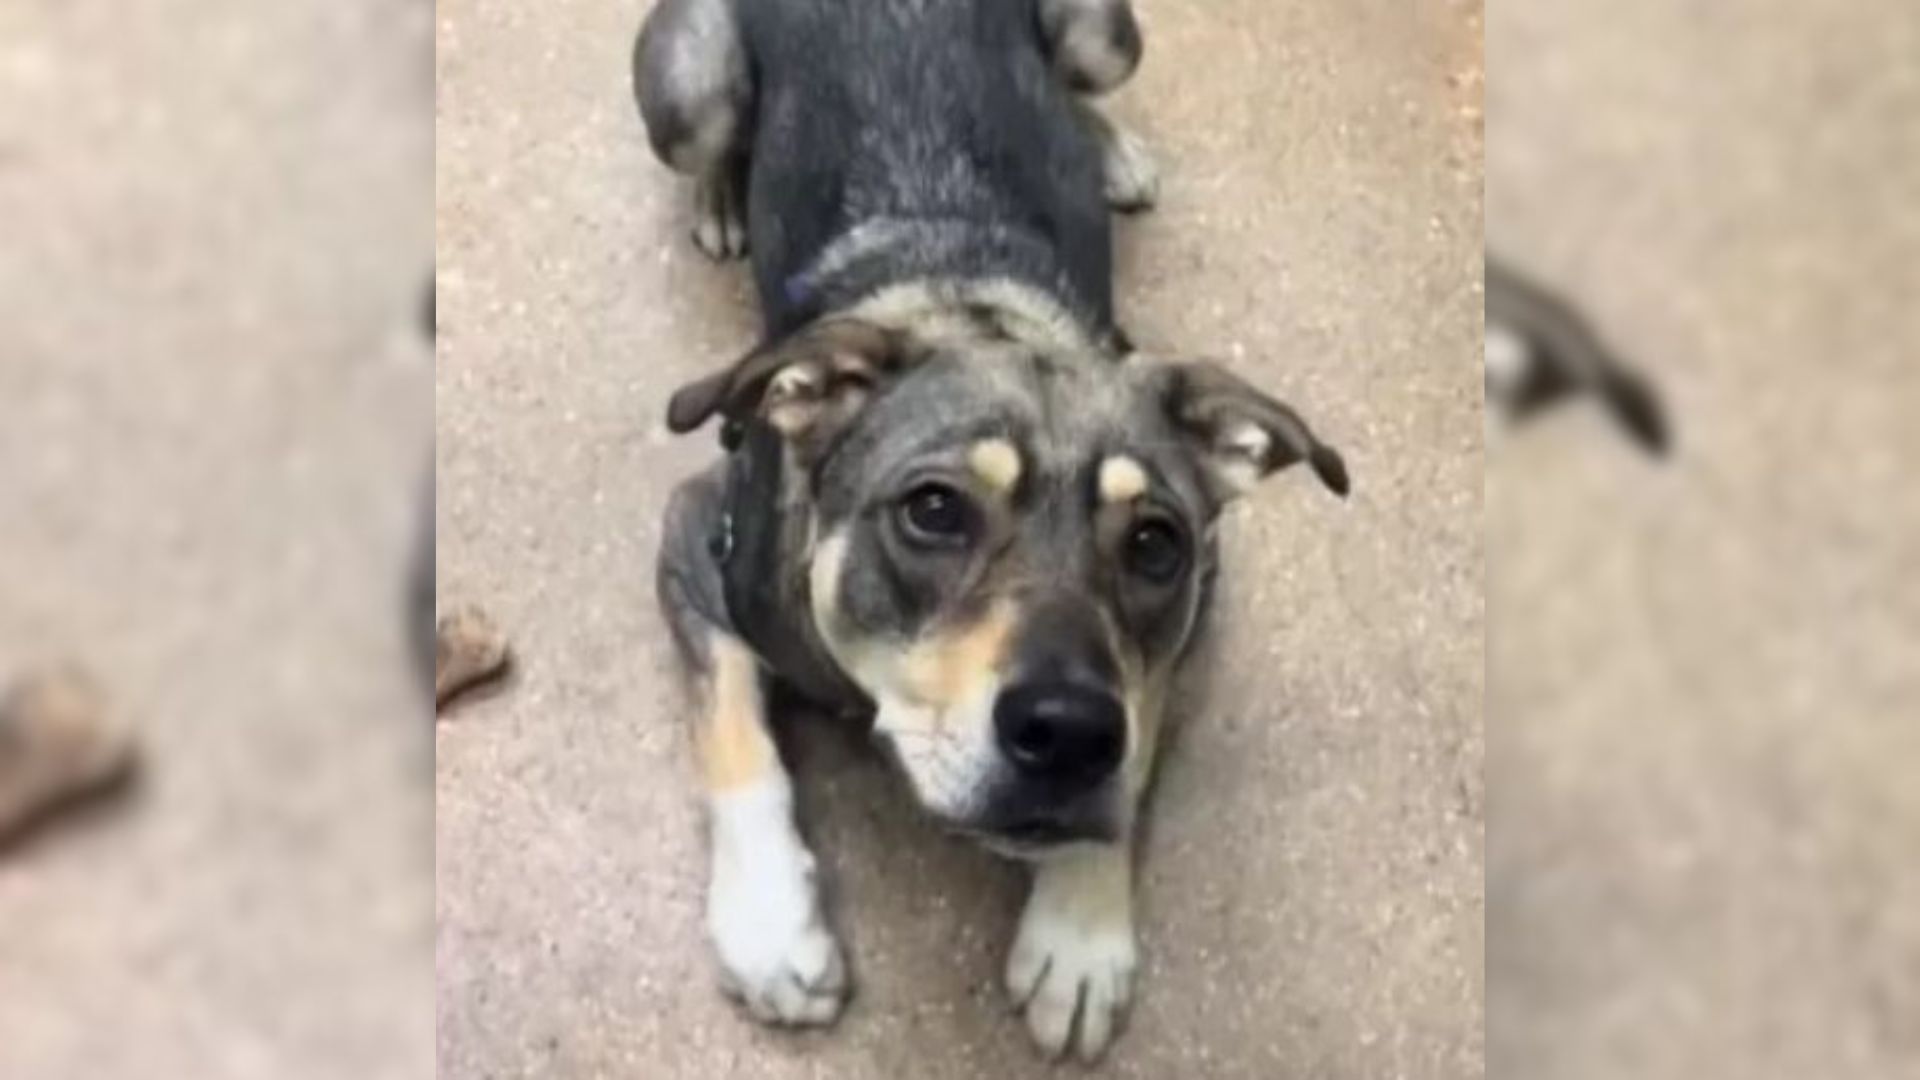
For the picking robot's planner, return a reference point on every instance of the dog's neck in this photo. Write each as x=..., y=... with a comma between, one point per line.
x=911, y=268
x=961, y=311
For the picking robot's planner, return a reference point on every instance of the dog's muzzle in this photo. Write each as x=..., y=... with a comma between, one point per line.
x=1060, y=746
x=1060, y=737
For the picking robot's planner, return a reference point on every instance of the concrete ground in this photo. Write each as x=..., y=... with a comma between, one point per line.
x=1702, y=712
x=1311, y=898
x=214, y=405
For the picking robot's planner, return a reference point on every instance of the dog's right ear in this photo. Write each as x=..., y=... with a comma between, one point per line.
x=806, y=386
x=1242, y=434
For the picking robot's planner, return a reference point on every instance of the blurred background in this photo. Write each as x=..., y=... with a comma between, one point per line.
x=215, y=432
x=1703, y=709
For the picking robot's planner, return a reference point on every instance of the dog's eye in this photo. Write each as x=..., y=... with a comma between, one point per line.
x=1155, y=551
x=936, y=515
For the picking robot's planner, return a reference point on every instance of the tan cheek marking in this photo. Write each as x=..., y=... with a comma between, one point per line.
x=1144, y=690
x=1146, y=705
x=735, y=750
x=1121, y=480
x=996, y=462
x=823, y=588
x=868, y=662
x=942, y=672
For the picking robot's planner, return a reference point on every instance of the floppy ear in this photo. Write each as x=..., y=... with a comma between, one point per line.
x=806, y=386
x=1242, y=435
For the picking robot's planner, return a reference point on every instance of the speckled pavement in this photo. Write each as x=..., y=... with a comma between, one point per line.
x=1311, y=895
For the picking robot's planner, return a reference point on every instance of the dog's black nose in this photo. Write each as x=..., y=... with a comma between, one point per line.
x=1061, y=733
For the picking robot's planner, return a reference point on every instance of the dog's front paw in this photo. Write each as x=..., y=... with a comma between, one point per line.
x=763, y=913
x=1072, y=960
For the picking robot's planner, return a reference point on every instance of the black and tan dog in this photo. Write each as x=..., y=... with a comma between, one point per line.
x=955, y=499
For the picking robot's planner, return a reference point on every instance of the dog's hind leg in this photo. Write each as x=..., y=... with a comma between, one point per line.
x=691, y=78
x=1132, y=179
x=764, y=915
x=1095, y=45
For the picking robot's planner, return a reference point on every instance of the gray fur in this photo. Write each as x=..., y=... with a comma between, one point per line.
x=690, y=77
x=1065, y=415
x=950, y=118
x=688, y=581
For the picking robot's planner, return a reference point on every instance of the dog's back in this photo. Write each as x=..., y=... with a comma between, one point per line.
x=902, y=139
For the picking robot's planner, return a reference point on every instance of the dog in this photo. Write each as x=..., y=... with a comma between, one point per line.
x=955, y=498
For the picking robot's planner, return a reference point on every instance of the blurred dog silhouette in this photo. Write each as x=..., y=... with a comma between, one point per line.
x=1540, y=351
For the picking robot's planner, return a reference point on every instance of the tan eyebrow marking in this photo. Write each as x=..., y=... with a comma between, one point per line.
x=996, y=463
x=1121, y=479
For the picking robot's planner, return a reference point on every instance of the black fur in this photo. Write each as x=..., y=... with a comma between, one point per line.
x=938, y=124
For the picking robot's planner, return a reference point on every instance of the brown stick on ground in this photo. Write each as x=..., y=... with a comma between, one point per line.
x=57, y=747
x=469, y=649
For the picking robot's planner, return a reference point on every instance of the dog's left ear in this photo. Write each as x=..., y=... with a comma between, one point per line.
x=806, y=386
x=1242, y=435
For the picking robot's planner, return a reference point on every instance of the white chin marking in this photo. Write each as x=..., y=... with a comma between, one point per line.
x=763, y=911
x=949, y=759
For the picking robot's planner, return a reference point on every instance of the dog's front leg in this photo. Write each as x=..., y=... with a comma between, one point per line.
x=1074, y=956
x=763, y=905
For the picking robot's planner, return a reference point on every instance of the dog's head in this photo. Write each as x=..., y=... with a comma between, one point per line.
x=1010, y=550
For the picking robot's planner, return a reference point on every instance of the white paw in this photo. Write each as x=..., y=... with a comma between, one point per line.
x=720, y=234
x=1067, y=967
x=1133, y=180
x=719, y=219
x=777, y=956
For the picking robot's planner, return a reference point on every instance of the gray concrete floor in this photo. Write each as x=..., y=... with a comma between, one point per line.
x=213, y=436
x=1702, y=719
x=1311, y=899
